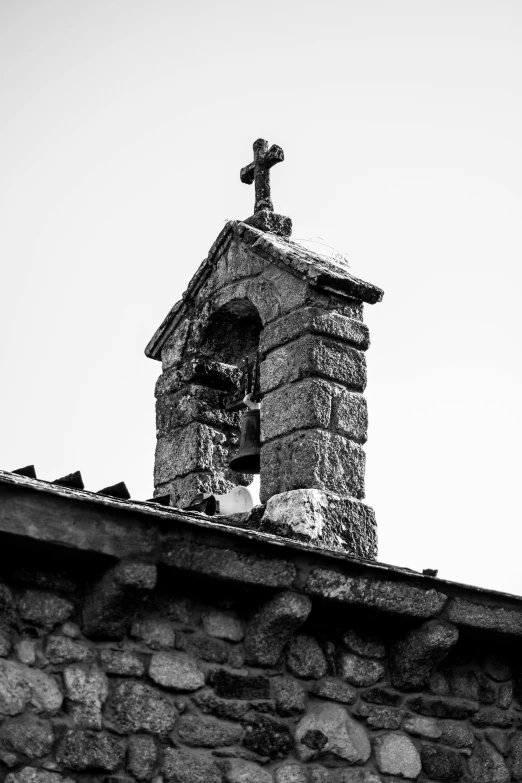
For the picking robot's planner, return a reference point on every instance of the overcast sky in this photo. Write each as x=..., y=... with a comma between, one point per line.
x=124, y=127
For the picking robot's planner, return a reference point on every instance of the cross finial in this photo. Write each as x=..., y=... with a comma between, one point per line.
x=258, y=171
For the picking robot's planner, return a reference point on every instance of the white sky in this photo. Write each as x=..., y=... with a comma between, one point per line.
x=124, y=126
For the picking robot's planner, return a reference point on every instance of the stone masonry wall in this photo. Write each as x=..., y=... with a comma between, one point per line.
x=200, y=682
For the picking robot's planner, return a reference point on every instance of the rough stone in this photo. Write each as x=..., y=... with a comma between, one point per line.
x=380, y=717
x=321, y=518
x=397, y=755
x=111, y=605
x=204, y=732
x=202, y=646
x=490, y=716
x=141, y=757
x=305, y=658
x=360, y=671
x=353, y=776
x=499, y=740
x=439, y=685
x=440, y=707
x=488, y=618
x=290, y=773
x=486, y=765
x=441, y=763
x=34, y=775
x=71, y=630
x=223, y=626
x=90, y=751
x=87, y=690
x=423, y=727
x=122, y=662
x=316, y=459
x=240, y=771
x=34, y=738
x=364, y=644
x=387, y=596
x=516, y=750
x=289, y=696
x=458, y=735
x=60, y=649
x=138, y=707
x=25, y=651
x=267, y=737
x=384, y=696
x=327, y=731
x=335, y=690
x=183, y=766
x=157, y=634
x=230, y=685
x=497, y=668
x=22, y=685
x=273, y=626
x=44, y=609
x=208, y=702
x=464, y=684
x=313, y=320
x=176, y=670
x=5, y=644
x=414, y=658
x=505, y=695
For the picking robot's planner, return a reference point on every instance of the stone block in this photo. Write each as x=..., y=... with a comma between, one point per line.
x=361, y=672
x=312, y=459
x=379, y=717
x=305, y=658
x=323, y=519
x=456, y=734
x=486, y=765
x=112, y=603
x=141, y=757
x=240, y=771
x=199, y=371
x=176, y=671
x=193, y=404
x=314, y=356
x=489, y=618
x=314, y=320
x=44, y=609
x=31, y=737
x=289, y=696
x=415, y=657
x=184, y=451
x=124, y=663
x=25, y=651
x=184, y=766
x=327, y=731
x=364, y=644
x=397, y=755
x=232, y=685
x=184, y=489
x=60, y=649
x=156, y=634
x=203, y=732
x=87, y=690
x=201, y=646
x=423, y=727
x=22, y=686
x=442, y=707
x=388, y=596
x=273, y=625
x=335, y=690
x=228, y=709
x=223, y=625
x=138, y=707
x=268, y=737
x=35, y=775
x=442, y=763
x=83, y=751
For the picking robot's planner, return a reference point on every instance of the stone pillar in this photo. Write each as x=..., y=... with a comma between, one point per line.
x=196, y=436
x=313, y=424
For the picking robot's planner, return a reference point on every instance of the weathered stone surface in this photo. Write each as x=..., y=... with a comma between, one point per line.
x=5, y=644
x=176, y=670
x=90, y=751
x=441, y=707
x=315, y=459
x=441, y=763
x=458, y=735
x=60, y=649
x=327, y=731
x=267, y=737
x=291, y=773
x=397, y=755
x=490, y=716
x=305, y=658
x=22, y=685
x=464, y=684
x=314, y=356
x=415, y=657
x=25, y=651
x=423, y=727
x=183, y=766
x=44, y=609
x=489, y=618
x=289, y=696
x=499, y=740
x=394, y=597
x=178, y=609
x=335, y=690
x=364, y=644
x=353, y=776
x=273, y=626
x=34, y=775
x=87, y=690
x=138, y=707
x=385, y=696
x=380, y=717
x=141, y=757
x=71, y=630
x=223, y=625
x=360, y=671
x=230, y=685
x=34, y=738
x=321, y=518
x=439, y=685
x=201, y=646
x=200, y=731
x=505, y=695
x=497, y=668
x=208, y=702
x=516, y=750
x=157, y=634
x=189, y=449
x=486, y=765
x=313, y=320
x=227, y=564
x=110, y=606
x=240, y=771
x=122, y=662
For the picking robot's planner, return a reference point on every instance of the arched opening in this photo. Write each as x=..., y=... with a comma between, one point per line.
x=232, y=333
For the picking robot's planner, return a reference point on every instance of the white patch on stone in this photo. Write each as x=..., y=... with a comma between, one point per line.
x=346, y=739
x=397, y=755
x=177, y=671
x=303, y=510
x=21, y=685
x=223, y=626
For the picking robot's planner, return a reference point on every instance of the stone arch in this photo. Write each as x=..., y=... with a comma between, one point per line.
x=232, y=332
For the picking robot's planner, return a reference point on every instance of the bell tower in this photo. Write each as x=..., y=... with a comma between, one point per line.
x=266, y=317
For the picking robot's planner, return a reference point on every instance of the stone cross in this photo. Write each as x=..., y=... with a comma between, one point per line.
x=258, y=171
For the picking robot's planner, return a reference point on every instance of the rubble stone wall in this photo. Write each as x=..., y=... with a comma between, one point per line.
x=202, y=682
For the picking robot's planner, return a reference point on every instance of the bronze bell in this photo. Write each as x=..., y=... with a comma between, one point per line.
x=247, y=459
